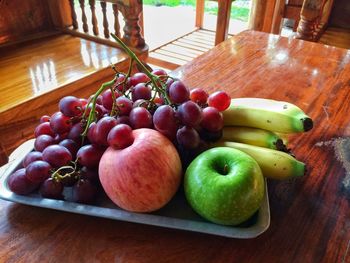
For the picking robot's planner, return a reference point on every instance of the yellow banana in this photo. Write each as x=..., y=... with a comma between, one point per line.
x=253, y=136
x=274, y=164
x=272, y=115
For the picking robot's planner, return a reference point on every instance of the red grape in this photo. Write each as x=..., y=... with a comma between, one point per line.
x=219, y=100
x=44, y=118
x=120, y=136
x=84, y=191
x=70, y=106
x=140, y=118
x=139, y=77
x=31, y=157
x=38, y=171
x=52, y=189
x=91, y=174
x=141, y=91
x=165, y=121
x=188, y=137
x=199, y=96
x=71, y=145
x=20, y=184
x=178, y=92
x=124, y=105
x=159, y=72
x=60, y=123
x=189, y=113
x=75, y=132
x=57, y=155
x=102, y=129
x=43, y=128
x=42, y=141
x=212, y=119
x=91, y=133
x=123, y=119
x=89, y=155
x=107, y=98
x=98, y=110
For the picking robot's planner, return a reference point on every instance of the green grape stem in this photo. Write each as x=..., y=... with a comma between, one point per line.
x=155, y=79
x=92, y=116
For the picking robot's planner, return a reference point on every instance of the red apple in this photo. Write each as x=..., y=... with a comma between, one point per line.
x=144, y=176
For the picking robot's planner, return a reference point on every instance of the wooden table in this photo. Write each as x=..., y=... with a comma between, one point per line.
x=310, y=216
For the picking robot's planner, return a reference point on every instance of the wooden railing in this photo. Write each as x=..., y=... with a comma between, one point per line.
x=96, y=20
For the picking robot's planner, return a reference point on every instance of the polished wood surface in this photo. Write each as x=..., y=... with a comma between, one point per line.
x=35, y=75
x=309, y=216
x=47, y=64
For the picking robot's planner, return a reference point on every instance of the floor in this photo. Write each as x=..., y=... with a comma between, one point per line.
x=59, y=60
x=157, y=32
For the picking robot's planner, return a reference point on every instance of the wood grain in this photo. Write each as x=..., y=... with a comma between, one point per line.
x=309, y=216
x=22, y=19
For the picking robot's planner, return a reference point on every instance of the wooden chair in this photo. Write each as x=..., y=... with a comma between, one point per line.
x=326, y=21
x=223, y=18
x=289, y=10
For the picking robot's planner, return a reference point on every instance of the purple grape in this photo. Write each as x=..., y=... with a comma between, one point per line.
x=84, y=191
x=70, y=106
x=188, y=137
x=57, y=155
x=31, y=157
x=178, y=92
x=20, y=184
x=89, y=155
x=165, y=121
x=38, y=171
x=52, y=189
x=141, y=91
x=189, y=113
x=140, y=118
x=71, y=145
x=42, y=141
x=60, y=123
x=102, y=129
x=43, y=128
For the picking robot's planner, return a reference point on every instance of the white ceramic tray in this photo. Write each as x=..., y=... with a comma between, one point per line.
x=176, y=214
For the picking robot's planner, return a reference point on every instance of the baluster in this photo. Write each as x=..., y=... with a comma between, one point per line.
x=83, y=16
x=105, y=21
x=132, y=31
x=93, y=17
x=74, y=15
x=116, y=20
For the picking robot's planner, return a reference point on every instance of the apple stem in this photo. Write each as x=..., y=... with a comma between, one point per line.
x=225, y=170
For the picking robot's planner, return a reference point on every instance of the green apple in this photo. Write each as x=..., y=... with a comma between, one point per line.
x=224, y=185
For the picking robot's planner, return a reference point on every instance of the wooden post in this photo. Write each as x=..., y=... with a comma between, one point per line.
x=60, y=12
x=132, y=30
x=278, y=16
x=223, y=20
x=199, y=13
x=261, y=15
x=314, y=18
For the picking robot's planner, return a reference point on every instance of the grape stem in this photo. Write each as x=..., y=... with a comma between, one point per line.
x=92, y=113
x=155, y=79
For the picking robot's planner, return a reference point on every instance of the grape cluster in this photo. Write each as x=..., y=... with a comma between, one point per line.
x=69, y=143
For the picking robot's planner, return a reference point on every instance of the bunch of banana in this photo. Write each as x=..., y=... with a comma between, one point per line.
x=260, y=128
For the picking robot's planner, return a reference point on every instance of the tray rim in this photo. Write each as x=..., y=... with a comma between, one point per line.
x=263, y=220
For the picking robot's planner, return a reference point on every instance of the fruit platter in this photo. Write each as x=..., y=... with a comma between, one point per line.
x=145, y=148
